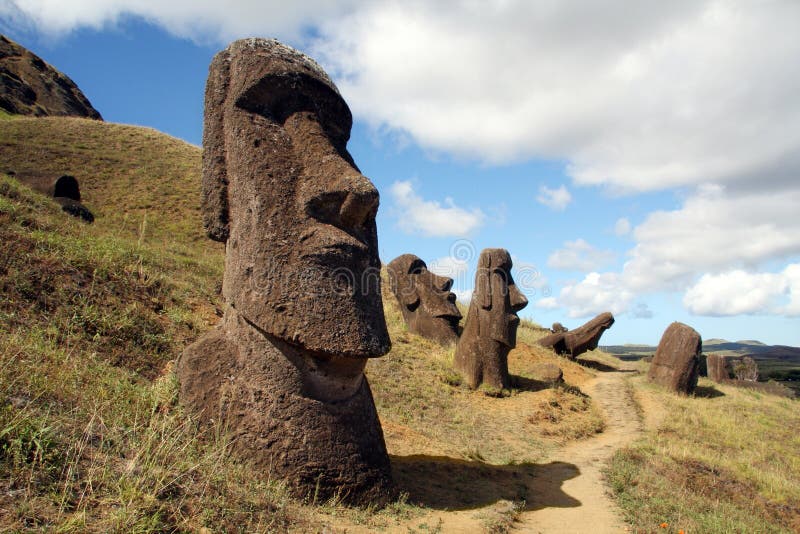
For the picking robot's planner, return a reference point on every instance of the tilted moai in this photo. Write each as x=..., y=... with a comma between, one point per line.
x=428, y=307
x=676, y=364
x=490, y=330
x=284, y=371
x=573, y=343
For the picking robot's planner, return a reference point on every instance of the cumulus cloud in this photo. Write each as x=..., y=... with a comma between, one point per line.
x=642, y=311
x=195, y=19
x=449, y=266
x=622, y=227
x=556, y=199
x=738, y=292
x=596, y=293
x=579, y=255
x=431, y=218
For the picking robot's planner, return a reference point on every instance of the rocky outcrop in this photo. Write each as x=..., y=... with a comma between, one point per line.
x=284, y=372
x=29, y=86
x=490, y=330
x=573, y=343
x=428, y=307
x=676, y=363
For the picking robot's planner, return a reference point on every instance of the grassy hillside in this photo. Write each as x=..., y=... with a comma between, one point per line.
x=724, y=460
x=91, y=435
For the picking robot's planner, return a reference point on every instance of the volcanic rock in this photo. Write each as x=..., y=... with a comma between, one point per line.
x=428, y=307
x=29, y=86
x=283, y=373
x=676, y=362
x=490, y=330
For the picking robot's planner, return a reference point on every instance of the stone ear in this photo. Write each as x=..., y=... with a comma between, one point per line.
x=484, y=285
x=215, y=177
x=410, y=297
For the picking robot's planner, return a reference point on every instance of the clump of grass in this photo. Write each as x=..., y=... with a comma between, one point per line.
x=566, y=403
x=728, y=463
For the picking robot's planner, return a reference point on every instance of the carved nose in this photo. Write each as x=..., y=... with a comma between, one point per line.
x=442, y=283
x=516, y=299
x=360, y=201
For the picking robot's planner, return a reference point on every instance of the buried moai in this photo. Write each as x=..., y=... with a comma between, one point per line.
x=428, y=307
x=676, y=364
x=573, y=343
x=284, y=371
x=490, y=330
x=64, y=190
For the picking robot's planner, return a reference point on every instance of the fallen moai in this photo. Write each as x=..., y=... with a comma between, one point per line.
x=490, y=330
x=428, y=307
x=284, y=372
x=573, y=343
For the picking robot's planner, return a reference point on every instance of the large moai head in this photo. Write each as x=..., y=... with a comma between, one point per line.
x=428, y=307
x=490, y=330
x=497, y=299
x=297, y=216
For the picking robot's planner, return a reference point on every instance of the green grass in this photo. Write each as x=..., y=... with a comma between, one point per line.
x=716, y=463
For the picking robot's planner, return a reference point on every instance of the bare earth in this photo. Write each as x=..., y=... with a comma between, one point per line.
x=563, y=494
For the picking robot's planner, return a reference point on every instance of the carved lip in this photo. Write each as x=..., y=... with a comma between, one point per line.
x=333, y=245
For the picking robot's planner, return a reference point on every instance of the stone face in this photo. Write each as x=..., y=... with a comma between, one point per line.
x=427, y=305
x=29, y=86
x=676, y=362
x=283, y=373
x=557, y=328
x=490, y=330
x=718, y=367
x=573, y=343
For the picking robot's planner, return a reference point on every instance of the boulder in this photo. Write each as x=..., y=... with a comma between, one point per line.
x=676, y=362
x=547, y=372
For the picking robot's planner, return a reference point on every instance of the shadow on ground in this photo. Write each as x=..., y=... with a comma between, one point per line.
x=707, y=392
x=599, y=366
x=444, y=483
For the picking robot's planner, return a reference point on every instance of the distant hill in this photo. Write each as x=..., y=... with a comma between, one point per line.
x=30, y=86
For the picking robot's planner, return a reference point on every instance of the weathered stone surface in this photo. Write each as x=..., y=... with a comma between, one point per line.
x=547, y=372
x=573, y=343
x=675, y=364
x=558, y=328
x=29, y=86
x=283, y=373
x=718, y=367
x=427, y=305
x=490, y=330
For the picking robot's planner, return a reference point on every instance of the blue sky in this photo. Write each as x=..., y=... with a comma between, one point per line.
x=637, y=158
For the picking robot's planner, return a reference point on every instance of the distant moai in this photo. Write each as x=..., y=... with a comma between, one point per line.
x=676, y=364
x=490, y=330
x=573, y=343
x=284, y=371
x=718, y=367
x=428, y=307
x=64, y=190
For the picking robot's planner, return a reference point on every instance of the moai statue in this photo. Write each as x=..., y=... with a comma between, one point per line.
x=573, y=343
x=490, y=330
x=428, y=307
x=676, y=363
x=283, y=373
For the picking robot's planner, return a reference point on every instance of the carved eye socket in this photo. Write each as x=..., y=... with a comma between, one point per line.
x=416, y=268
x=325, y=207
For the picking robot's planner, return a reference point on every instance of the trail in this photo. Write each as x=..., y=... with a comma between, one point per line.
x=579, y=467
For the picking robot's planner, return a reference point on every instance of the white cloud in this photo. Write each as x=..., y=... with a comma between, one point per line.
x=642, y=311
x=595, y=294
x=622, y=227
x=196, y=19
x=547, y=303
x=557, y=199
x=463, y=296
x=640, y=96
x=739, y=292
x=579, y=255
x=429, y=217
x=449, y=266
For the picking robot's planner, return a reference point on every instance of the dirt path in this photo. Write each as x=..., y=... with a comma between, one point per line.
x=578, y=466
x=564, y=493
